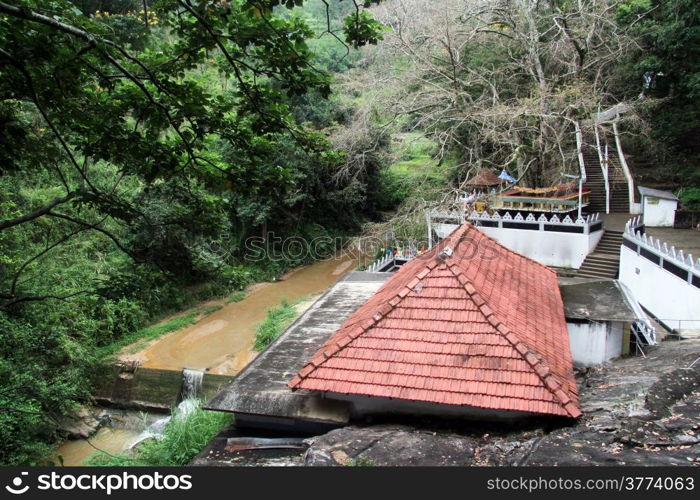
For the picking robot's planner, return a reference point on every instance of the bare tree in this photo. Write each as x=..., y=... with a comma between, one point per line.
x=503, y=82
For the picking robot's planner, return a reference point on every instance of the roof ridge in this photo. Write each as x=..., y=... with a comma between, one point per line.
x=356, y=331
x=537, y=363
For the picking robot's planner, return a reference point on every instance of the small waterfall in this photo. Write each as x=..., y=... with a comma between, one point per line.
x=154, y=431
x=187, y=401
x=191, y=384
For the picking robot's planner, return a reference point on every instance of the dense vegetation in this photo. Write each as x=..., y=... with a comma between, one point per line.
x=140, y=149
x=138, y=152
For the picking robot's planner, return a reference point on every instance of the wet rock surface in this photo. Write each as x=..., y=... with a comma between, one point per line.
x=83, y=423
x=389, y=445
x=637, y=411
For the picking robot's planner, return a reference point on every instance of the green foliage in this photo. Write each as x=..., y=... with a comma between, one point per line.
x=361, y=462
x=236, y=297
x=690, y=198
x=152, y=148
x=362, y=29
x=277, y=320
x=150, y=333
x=184, y=437
x=44, y=375
x=667, y=31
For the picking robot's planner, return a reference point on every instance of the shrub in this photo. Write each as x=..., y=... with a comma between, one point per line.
x=690, y=198
x=278, y=318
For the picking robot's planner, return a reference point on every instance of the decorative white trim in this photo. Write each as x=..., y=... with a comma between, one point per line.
x=658, y=247
x=531, y=218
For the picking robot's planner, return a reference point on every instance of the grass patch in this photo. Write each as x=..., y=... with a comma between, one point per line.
x=414, y=160
x=185, y=436
x=150, y=332
x=140, y=337
x=236, y=297
x=277, y=319
x=361, y=462
x=206, y=311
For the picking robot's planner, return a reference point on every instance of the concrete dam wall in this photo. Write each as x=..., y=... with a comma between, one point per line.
x=150, y=388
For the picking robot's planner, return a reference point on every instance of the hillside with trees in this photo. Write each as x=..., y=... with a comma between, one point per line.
x=143, y=142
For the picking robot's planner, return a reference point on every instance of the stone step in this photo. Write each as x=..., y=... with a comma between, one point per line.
x=591, y=274
x=607, y=261
x=599, y=267
x=595, y=257
x=598, y=261
x=595, y=264
x=606, y=273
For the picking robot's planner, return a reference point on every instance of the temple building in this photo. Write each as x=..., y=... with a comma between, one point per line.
x=469, y=329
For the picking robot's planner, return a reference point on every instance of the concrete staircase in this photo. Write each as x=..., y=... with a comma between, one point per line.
x=604, y=261
x=619, y=190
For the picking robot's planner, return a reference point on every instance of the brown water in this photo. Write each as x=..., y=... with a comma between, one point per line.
x=222, y=342
x=107, y=439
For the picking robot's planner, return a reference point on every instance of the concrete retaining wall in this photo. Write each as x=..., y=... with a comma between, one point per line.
x=549, y=248
x=150, y=388
x=673, y=300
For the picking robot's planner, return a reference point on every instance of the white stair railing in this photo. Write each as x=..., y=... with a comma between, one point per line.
x=625, y=166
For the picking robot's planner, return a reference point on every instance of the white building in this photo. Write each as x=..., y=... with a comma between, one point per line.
x=599, y=315
x=659, y=207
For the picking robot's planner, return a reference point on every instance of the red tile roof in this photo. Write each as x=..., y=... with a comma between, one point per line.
x=482, y=327
x=485, y=177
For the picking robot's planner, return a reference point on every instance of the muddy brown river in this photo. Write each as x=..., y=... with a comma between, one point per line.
x=112, y=441
x=221, y=342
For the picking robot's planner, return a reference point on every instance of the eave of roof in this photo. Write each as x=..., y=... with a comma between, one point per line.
x=657, y=193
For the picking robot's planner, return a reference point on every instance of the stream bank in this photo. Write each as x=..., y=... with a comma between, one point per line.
x=222, y=342
x=149, y=377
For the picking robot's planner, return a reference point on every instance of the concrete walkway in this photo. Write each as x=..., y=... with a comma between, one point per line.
x=615, y=221
x=259, y=395
x=687, y=240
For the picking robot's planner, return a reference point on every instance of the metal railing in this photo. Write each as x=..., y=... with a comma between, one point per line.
x=382, y=263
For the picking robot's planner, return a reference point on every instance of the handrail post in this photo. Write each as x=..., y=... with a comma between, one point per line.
x=623, y=162
x=603, y=169
x=581, y=164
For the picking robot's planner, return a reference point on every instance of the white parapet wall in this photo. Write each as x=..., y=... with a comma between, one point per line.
x=549, y=240
x=663, y=280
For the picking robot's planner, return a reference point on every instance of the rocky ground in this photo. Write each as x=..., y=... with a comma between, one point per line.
x=637, y=411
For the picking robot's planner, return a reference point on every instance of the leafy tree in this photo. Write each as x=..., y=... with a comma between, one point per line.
x=668, y=66
x=132, y=136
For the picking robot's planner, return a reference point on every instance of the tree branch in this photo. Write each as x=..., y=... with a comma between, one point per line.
x=35, y=214
x=97, y=228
